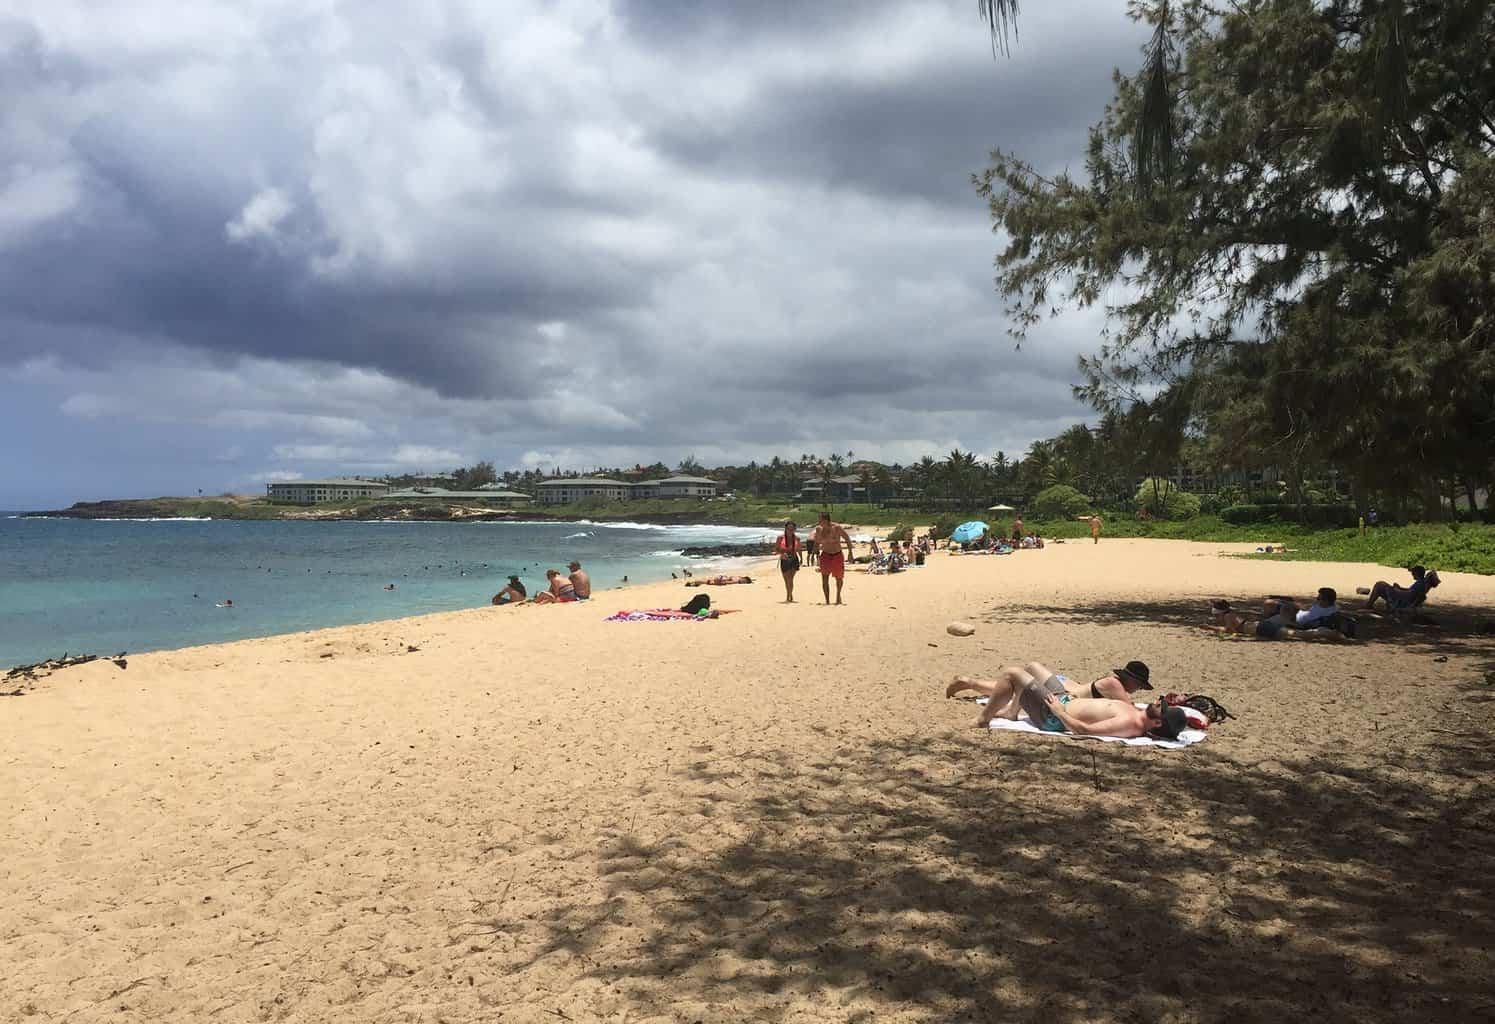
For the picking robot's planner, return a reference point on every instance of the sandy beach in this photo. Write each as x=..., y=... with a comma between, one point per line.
x=533, y=815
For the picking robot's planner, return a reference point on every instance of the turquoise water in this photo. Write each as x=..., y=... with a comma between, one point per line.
x=102, y=586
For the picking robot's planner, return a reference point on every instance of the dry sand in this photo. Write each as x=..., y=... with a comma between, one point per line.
x=537, y=816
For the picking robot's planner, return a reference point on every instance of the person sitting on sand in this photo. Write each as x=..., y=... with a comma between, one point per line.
x=718, y=581
x=581, y=583
x=1001, y=692
x=514, y=593
x=1399, y=598
x=562, y=590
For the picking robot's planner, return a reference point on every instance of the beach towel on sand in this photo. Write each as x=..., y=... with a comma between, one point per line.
x=1186, y=738
x=657, y=615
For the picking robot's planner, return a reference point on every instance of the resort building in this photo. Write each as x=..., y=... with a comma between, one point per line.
x=484, y=493
x=683, y=487
x=842, y=488
x=563, y=492
x=311, y=492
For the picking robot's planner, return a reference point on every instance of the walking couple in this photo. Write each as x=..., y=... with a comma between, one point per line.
x=828, y=538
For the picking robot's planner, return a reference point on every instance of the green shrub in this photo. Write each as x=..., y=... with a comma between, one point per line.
x=902, y=533
x=1163, y=500
x=1060, y=502
x=1341, y=516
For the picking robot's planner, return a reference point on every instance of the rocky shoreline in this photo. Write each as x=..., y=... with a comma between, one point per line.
x=424, y=511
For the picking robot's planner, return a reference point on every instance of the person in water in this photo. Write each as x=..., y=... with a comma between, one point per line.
x=514, y=593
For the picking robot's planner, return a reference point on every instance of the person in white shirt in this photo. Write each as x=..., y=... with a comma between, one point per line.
x=1322, y=608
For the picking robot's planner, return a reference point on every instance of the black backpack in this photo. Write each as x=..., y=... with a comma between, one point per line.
x=697, y=604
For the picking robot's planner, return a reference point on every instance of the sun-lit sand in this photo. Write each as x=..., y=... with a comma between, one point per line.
x=531, y=815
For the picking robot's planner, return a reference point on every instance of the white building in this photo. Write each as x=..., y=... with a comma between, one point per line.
x=685, y=487
x=484, y=493
x=311, y=492
x=564, y=492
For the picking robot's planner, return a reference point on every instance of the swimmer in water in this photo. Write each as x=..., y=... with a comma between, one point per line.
x=389, y=586
x=227, y=602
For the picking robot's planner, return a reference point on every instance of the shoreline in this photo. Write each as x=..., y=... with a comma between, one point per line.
x=773, y=814
x=763, y=569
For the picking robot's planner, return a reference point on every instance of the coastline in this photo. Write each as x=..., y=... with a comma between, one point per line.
x=760, y=815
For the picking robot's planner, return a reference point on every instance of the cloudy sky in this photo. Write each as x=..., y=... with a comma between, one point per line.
x=258, y=239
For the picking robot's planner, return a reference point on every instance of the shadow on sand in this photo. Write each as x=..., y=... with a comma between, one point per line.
x=978, y=878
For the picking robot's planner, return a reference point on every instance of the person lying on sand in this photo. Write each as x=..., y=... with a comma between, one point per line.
x=718, y=581
x=1282, y=619
x=1011, y=681
x=1267, y=626
x=1054, y=711
x=1089, y=716
x=514, y=593
x=562, y=590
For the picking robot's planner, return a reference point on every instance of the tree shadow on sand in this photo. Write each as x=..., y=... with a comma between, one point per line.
x=989, y=877
x=1447, y=629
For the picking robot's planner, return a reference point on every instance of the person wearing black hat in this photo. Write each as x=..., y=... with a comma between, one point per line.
x=514, y=593
x=1002, y=692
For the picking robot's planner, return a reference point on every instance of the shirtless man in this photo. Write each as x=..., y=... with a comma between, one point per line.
x=1004, y=692
x=829, y=537
x=581, y=583
x=1088, y=716
x=1095, y=529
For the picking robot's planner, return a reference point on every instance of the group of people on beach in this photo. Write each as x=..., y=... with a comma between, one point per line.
x=560, y=589
x=1056, y=703
x=826, y=541
x=1283, y=618
x=829, y=548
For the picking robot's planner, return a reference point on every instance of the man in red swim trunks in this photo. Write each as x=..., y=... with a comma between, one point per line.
x=829, y=537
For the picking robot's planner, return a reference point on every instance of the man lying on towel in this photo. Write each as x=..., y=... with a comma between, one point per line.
x=1053, y=706
x=1090, y=716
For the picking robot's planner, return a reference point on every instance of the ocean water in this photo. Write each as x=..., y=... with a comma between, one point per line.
x=102, y=586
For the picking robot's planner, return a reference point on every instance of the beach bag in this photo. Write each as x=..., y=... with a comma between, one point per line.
x=697, y=604
x=1206, y=708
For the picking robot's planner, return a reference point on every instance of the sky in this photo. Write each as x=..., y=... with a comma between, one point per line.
x=261, y=240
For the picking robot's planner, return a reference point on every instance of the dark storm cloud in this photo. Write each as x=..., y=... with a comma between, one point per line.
x=425, y=233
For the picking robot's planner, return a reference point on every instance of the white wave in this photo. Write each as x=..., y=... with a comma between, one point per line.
x=573, y=536
x=668, y=553
x=146, y=519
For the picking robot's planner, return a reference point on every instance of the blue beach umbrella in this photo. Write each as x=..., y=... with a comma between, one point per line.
x=967, y=532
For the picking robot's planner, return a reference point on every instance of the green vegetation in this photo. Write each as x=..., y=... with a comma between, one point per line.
x=1060, y=501
x=1158, y=497
x=1302, y=285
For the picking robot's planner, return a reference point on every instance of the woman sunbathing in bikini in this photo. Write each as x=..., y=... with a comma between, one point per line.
x=719, y=581
x=1270, y=626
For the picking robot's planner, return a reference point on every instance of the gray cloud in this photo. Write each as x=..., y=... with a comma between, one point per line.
x=269, y=240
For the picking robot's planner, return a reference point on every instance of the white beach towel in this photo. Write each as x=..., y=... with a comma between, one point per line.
x=1186, y=738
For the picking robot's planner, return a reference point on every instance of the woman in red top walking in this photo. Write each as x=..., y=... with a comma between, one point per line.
x=788, y=548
